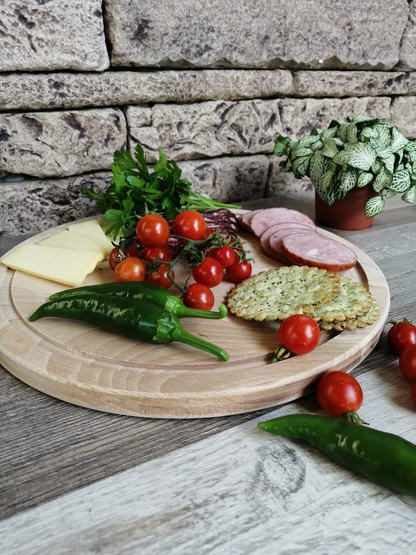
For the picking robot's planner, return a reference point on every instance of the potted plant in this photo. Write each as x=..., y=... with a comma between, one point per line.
x=363, y=160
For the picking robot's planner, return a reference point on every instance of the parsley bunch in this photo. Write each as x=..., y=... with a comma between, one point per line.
x=136, y=191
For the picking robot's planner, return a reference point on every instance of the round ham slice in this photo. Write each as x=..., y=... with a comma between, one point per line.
x=314, y=249
x=276, y=242
x=271, y=216
x=246, y=218
x=287, y=227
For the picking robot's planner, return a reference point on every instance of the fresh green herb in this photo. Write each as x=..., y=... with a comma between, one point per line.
x=136, y=191
x=361, y=151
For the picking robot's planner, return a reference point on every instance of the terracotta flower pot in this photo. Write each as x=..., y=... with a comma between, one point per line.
x=347, y=213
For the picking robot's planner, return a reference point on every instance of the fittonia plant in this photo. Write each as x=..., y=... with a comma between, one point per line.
x=361, y=151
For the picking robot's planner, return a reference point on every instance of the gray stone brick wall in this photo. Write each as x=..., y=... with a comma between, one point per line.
x=211, y=82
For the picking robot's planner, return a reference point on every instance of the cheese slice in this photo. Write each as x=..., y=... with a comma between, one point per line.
x=67, y=266
x=68, y=240
x=92, y=231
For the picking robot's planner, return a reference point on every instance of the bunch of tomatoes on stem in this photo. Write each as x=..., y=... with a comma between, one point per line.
x=210, y=255
x=402, y=340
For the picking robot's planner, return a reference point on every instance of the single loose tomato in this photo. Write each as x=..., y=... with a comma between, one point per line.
x=199, y=296
x=130, y=269
x=239, y=271
x=401, y=336
x=190, y=224
x=152, y=230
x=338, y=393
x=299, y=333
x=114, y=258
x=407, y=363
x=160, y=253
x=209, y=272
x=161, y=277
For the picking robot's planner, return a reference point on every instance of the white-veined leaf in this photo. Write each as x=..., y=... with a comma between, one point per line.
x=328, y=133
x=300, y=166
x=316, y=146
x=368, y=133
x=390, y=193
x=401, y=181
x=352, y=133
x=330, y=148
x=348, y=180
x=399, y=141
x=307, y=141
x=342, y=158
x=377, y=166
x=383, y=180
x=384, y=137
x=409, y=196
x=316, y=167
x=300, y=152
x=364, y=178
x=374, y=206
x=361, y=156
x=389, y=163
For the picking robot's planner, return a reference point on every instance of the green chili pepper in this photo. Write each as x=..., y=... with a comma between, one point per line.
x=144, y=290
x=384, y=458
x=137, y=319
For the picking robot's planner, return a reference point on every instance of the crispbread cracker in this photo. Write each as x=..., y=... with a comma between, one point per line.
x=352, y=300
x=359, y=322
x=281, y=292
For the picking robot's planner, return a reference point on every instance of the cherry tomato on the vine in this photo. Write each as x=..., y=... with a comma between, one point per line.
x=199, y=296
x=338, y=393
x=150, y=254
x=161, y=277
x=225, y=255
x=132, y=251
x=114, y=258
x=130, y=269
x=190, y=224
x=407, y=363
x=152, y=230
x=299, y=333
x=239, y=271
x=401, y=336
x=209, y=272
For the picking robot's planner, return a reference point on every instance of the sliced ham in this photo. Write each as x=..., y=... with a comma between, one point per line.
x=264, y=219
x=246, y=218
x=314, y=249
x=276, y=242
x=288, y=227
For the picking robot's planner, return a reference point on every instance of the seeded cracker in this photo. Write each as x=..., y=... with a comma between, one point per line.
x=352, y=300
x=281, y=292
x=359, y=322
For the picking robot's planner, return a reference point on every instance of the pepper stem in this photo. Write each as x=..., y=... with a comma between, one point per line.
x=181, y=335
x=353, y=417
x=184, y=311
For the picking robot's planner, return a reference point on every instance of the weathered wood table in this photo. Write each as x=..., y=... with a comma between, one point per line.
x=74, y=480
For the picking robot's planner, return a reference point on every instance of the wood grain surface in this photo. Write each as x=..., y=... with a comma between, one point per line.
x=86, y=366
x=51, y=448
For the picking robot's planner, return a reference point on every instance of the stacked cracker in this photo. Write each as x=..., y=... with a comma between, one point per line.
x=334, y=301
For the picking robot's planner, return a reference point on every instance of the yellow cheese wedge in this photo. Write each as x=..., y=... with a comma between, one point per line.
x=67, y=240
x=67, y=266
x=92, y=231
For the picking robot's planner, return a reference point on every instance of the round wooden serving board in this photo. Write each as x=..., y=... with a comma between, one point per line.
x=86, y=366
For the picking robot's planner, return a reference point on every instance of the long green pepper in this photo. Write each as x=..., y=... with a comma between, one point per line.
x=143, y=290
x=139, y=319
x=383, y=458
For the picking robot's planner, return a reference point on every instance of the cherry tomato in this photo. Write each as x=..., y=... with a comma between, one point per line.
x=114, y=258
x=161, y=253
x=130, y=269
x=225, y=256
x=190, y=224
x=199, y=296
x=401, y=336
x=239, y=271
x=413, y=393
x=132, y=251
x=299, y=333
x=209, y=272
x=407, y=363
x=153, y=230
x=161, y=277
x=338, y=393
